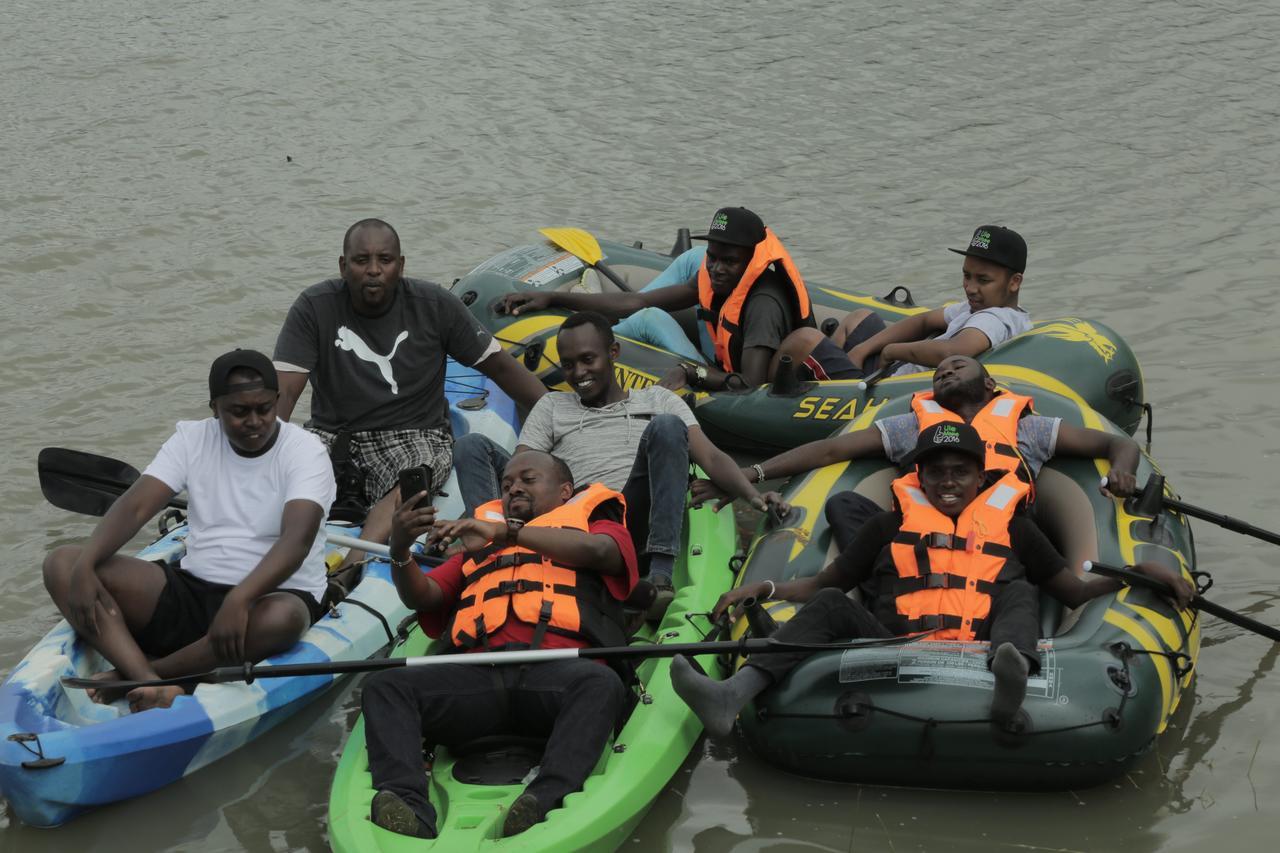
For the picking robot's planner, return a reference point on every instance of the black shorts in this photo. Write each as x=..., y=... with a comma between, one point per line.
x=828, y=361
x=186, y=608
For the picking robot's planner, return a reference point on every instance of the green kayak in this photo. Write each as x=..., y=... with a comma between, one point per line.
x=650, y=748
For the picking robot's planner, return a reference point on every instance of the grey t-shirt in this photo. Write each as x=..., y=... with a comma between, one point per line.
x=1037, y=438
x=998, y=324
x=598, y=444
x=384, y=372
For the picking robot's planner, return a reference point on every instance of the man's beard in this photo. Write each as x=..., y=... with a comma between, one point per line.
x=974, y=391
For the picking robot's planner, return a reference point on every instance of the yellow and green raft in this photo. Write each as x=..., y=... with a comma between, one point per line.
x=1070, y=355
x=1112, y=673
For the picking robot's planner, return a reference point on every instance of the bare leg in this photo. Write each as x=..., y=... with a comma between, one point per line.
x=276, y=622
x=848, y=324
x=134, y=584
x=798, y=345
x=377, y=528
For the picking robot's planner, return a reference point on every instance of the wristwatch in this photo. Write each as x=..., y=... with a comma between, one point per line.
x=694, y=374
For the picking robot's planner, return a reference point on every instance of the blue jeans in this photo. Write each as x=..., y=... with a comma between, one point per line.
x=655, y=489
x=574, y=703
x=658, y=328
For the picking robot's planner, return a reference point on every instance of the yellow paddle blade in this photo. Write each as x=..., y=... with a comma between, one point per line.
x=576, y=242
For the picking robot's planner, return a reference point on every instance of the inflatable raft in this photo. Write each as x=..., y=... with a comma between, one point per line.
x=1069, y=354
x=473, y=787
x=61, y=754
x=1111, y=675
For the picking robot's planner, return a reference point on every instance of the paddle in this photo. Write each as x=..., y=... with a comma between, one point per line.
x=1152, y=497
x=89, y=484
x=882, y=372
x=585, y=248
x=1132, y=578
x=249, y=672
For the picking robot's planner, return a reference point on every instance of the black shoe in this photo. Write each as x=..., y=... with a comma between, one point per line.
x=522, y=815
x=395, y=815
x=664, y=594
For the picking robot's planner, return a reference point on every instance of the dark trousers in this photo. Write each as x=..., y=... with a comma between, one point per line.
x=831, y=616
x=574, y=703
x=655, y=489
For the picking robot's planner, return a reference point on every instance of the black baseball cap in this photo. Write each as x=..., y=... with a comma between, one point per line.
x=957, y=437
x=736, y=226
x=247, y=358
x=997, y=244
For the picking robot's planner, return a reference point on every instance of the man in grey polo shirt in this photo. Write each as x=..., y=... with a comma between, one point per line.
x=638, y=442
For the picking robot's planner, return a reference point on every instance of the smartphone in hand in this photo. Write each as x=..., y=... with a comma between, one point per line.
x=414, y=480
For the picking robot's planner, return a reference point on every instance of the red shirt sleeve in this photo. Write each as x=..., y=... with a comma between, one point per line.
x=619, y=586
x=448, y=576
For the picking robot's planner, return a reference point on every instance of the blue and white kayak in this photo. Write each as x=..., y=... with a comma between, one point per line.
x=61, y=753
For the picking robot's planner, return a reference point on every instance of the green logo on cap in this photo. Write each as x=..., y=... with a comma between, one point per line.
x=981, y=240
x=720, y=222
x=947, y=434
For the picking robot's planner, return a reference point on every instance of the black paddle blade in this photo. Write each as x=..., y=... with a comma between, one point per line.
x=83, y=482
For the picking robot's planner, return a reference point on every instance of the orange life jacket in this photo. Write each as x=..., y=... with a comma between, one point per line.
x=947, y=570
x=515, y=582
x=996, y=422
x=722, y=315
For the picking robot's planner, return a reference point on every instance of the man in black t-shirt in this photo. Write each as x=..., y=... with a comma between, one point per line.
x=373, y=345
x=951, y=476
x=749, y=293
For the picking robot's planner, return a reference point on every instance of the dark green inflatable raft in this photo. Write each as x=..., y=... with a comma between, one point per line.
x=1069, y=355
x=1112, y=673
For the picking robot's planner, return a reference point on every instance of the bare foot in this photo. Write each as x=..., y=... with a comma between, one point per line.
x=104, y=697
x=142, y=698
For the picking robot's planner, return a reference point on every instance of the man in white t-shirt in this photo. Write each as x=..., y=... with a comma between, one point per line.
x=638, y=442
x=251, y=580
x=995, y=260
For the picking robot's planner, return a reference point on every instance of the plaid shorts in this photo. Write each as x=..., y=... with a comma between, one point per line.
x=382, y=454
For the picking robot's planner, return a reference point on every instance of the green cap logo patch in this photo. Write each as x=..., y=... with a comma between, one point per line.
x=981, y=240
x=947, y=434
x=720, y=222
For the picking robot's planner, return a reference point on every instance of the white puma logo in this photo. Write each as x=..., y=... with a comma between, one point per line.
x=351, y=342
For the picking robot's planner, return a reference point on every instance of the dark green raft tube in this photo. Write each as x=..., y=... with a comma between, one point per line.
x=1065, y=353
x=1112, y=673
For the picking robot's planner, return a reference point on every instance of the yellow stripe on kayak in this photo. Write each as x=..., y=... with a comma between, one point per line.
x=815, y=488
x=869, y=301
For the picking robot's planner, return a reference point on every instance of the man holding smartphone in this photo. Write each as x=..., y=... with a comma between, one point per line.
x=490, y=595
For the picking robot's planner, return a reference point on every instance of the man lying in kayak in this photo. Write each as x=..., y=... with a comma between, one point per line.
x=253, y=574
x=963, y=390
x=995, y=260
x=540, y=527
x=952, y=558
x=748, y=291
x=636, y=441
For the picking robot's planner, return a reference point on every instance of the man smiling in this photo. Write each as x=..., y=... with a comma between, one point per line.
x=250, y=582
x=953, y=558
x=638, y=442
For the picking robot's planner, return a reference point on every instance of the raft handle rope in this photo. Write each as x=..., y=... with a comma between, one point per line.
x=42, y=761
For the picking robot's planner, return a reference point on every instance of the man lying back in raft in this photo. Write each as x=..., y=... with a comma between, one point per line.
x=995, y=260
x=373, y=344
x=253, y=573
x=541, y=527
x=967, y=524
x=749, y=295
x=963, y=390
x=637, y=441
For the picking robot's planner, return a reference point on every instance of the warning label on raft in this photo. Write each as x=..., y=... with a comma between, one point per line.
x=957, y=664
x=536, y=265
